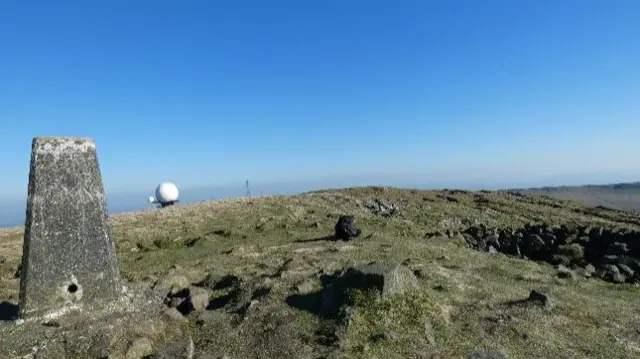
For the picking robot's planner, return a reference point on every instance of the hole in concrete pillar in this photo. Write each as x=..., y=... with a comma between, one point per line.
x=72, y=288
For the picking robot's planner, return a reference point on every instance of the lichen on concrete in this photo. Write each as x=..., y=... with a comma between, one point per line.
x=69, y=257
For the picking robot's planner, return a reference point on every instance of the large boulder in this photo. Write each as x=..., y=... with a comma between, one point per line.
x=384, y=278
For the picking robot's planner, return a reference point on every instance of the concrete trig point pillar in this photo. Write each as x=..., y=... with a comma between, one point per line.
x=69, y=259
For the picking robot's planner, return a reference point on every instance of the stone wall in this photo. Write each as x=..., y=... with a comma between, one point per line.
x=610, y=254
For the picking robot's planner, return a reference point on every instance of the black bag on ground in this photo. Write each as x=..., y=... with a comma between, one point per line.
x=346, y=228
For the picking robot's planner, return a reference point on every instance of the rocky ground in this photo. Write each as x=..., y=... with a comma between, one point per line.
x=433, y=274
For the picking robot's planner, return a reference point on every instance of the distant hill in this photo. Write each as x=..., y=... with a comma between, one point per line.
x=623, y=196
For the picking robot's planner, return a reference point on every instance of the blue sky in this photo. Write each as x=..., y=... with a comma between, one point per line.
x=208, y=93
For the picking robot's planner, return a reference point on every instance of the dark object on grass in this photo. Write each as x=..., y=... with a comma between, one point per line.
x=346, y=228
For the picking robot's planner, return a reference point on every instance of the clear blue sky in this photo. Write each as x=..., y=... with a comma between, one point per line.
x=216, y=92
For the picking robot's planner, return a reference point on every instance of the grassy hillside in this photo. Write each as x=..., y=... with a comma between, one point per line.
x=625, y=196
x=264, y=266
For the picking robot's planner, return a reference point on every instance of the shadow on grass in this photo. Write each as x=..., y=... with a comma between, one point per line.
x=319, y=239
x=317, y=302
x=310, y=302
x=8, y=311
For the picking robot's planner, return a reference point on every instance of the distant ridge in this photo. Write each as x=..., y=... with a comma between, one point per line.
x=615, y=186
x=622, y=196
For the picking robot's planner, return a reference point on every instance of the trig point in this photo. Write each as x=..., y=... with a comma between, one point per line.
x=69, y=259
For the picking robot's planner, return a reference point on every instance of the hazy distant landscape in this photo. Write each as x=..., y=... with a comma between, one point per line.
x=624, y=196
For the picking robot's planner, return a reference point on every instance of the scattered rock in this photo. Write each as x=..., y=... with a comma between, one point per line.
x=626, y=270
x=215, y=281
x=385, y=278
x=51, y=323
x=587, y=271
x=139, y=348
x=305, y=286
x=564, y=272
x=246, y=295
x=346, y=229
x=381, y=208
x=488, y=354
x=610, y=272
x=429, y=332
x=420, y=273
x=180, y=350
x=174, y=284
x=542, y=299
x=173, y=314
x=198, y=299
x=384, y=336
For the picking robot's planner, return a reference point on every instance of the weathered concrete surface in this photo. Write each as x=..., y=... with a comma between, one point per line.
x=69, y=259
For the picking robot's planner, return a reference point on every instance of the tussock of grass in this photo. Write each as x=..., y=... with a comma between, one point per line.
x=408, y=320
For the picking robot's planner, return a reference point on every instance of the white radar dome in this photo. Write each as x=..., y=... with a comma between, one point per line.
x=167, y=192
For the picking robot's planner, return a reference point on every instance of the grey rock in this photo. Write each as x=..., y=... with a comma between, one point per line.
x=215, y=281
x=565, y=273
x=198, y=299
x=183, y=349
x=69, y=256
x=174, y=284
x=429, y=332
x=610, y=272
x=306, y=286
x=488, y=354
x=459, y=240
x=139, y=348
x=381, y=208
x=174, y=315
x=625, y=270
x=541, y=298
x=386, y=278
x=587, y=271
x=384, y=336
x=618, y=248
x=574, y=252
x=631, y=262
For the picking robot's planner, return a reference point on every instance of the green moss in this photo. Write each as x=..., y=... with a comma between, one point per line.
x=410, y=319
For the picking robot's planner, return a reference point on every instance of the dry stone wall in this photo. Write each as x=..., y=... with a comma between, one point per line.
x=610, y=254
